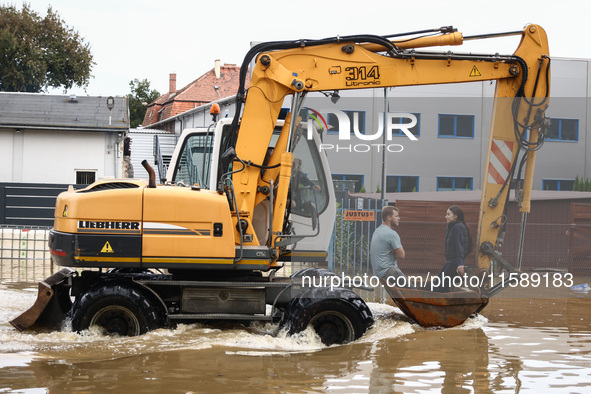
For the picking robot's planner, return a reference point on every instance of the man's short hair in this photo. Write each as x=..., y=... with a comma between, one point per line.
x=388, y=211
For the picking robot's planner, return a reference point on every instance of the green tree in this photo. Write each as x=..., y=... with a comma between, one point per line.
x=139, y=98
x=577, y=185
x=39, y=53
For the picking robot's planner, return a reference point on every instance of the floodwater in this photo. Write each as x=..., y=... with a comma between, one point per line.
x=533, y=341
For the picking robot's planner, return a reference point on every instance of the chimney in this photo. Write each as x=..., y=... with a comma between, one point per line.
x=172, y=83
x=218, y=68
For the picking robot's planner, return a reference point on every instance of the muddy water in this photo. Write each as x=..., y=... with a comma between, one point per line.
x=524, y=342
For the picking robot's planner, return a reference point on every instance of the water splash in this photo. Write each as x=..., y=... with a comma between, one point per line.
x=255, y=339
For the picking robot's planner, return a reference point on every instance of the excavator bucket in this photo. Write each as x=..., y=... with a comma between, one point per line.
x=437, y=309
x=52, y=303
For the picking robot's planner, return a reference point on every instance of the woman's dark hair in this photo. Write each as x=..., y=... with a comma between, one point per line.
x=459, y=212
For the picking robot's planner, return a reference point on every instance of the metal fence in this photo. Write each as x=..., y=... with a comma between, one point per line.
x=24, y=256
x=348, y=254
x=356, y=220
x=548, y=246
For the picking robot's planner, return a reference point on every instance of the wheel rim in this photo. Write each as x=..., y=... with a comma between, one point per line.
x=116, y=319
x=333, y=327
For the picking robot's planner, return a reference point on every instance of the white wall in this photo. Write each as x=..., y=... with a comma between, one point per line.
x=53, y=156
x=6, y=159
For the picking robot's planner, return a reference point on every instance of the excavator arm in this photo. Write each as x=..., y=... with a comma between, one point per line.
x=295, y=68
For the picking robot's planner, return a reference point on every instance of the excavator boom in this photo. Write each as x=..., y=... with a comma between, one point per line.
x=296, y=68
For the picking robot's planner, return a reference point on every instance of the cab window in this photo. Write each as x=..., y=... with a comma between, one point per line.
x=195, y=161
x=308, y=183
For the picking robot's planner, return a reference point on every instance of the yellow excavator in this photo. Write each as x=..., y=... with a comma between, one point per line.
x=207, y=244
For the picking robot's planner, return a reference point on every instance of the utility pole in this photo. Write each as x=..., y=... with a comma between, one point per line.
x=383, y=190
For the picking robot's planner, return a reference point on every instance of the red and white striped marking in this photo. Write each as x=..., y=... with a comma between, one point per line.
x=500, y=161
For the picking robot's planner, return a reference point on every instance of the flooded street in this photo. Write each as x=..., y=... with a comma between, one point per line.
x=529, y=341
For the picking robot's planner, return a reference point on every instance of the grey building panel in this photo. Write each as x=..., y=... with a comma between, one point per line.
x=434, y=156
x=142, y=148
x=83, y=113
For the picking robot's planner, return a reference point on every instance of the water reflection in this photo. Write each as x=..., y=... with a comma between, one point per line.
x=454, y=360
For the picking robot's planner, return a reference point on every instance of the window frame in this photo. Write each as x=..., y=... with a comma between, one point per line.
x=84, y=173
x=560, y=139
x=341, y=177
x=454, y=179
x=349, y=113
x=399, y=133
x=399, y=183
x=455, y=127
x=558, y=181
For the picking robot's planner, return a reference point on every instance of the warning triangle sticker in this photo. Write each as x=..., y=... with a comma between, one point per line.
x=475, y=72
x=107, y=248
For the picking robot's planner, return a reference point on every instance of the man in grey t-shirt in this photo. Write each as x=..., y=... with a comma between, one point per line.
x=385, y=248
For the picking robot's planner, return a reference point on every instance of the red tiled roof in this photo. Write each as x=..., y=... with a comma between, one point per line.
x=201, y=91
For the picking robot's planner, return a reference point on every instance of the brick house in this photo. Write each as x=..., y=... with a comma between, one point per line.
x=219, y=82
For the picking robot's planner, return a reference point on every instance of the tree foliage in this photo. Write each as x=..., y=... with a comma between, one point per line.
x=37, y=53
x=139, y=98
x=582, y=185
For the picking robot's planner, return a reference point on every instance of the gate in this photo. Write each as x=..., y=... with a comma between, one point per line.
x=24, y=255
x=348, y=254
x=29, y=204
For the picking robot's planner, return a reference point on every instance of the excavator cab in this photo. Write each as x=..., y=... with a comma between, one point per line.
x=197, y=161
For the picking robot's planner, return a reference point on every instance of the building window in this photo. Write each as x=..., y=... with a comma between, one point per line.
x=563, y=130
x=85, y=177
x=447, y=183
x=558, y=184
x=415, y=130
x=401, y=183
x=456, y=126
x=333, y=121
x=347, y=182
x=516, y=184
x=284, y=111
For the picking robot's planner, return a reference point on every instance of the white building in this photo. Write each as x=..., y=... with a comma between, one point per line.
x=61, y=139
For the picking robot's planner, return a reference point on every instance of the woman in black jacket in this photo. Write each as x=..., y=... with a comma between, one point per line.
x=458, y=244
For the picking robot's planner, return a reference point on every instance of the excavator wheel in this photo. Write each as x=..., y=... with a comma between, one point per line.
x=337, y=318
x=119, y=308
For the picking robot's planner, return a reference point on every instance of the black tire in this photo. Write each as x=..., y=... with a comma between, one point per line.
x=335, y=320
x=119, y=308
